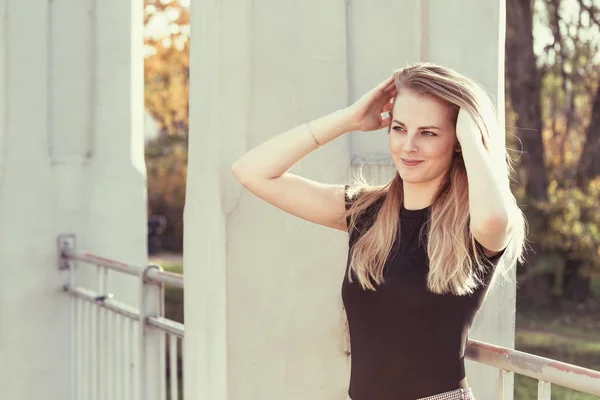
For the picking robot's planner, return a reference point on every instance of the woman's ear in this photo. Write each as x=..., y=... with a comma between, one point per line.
x=457, y=151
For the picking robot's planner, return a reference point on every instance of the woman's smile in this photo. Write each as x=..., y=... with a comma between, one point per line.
x=411, y=163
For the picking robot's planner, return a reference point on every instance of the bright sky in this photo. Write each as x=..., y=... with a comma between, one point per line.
x=569, y=11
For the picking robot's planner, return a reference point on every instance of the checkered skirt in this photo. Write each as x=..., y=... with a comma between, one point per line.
x=459, y=394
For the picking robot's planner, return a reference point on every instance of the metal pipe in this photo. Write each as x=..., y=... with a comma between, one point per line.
x=167, y=278
x=114, y=265
x=540, y=368
x=107, y=302
x=154, y=275
x=151, y=346
x=166, y=325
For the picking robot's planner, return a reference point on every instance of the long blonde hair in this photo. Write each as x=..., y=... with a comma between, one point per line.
x=456, y=265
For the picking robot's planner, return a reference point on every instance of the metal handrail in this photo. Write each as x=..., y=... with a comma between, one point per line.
x=543, y=369
x=104, y=302
x=540, y=368
x=153, y=276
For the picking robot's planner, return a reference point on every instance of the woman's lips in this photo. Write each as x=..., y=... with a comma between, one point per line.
x=411, y=163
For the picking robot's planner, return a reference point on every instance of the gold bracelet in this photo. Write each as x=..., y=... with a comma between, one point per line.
x=313, y=135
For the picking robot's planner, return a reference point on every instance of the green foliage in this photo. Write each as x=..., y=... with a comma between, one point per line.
x=174, y=296
x=167, y=64
x=572, y=223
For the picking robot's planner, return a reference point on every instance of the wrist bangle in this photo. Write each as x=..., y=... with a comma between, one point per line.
x=313, y=135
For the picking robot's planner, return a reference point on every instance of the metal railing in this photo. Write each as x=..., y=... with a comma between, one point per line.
x=546, y=371
x=143, y=331
x=120, y=351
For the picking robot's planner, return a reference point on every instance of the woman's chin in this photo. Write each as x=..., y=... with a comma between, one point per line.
x=410, y=177
x=412, y=180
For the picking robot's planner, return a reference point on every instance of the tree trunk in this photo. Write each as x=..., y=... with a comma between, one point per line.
x=524, y=85
x=524, y=93
x=577, y=287
x=589, y=162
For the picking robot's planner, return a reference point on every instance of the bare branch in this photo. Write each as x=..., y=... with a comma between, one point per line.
x=592, y=11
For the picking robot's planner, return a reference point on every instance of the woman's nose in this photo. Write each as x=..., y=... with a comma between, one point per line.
x=409, y=145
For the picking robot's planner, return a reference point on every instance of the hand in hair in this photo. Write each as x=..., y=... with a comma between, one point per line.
x=366, y=113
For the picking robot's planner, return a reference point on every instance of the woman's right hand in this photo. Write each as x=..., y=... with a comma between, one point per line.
x=366, y=112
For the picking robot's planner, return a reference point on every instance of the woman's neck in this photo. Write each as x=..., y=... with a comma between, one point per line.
x=417, y=196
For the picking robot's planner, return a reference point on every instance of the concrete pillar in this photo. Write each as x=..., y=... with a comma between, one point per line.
x=71, y=161
x=262, y=295
x=469, y=35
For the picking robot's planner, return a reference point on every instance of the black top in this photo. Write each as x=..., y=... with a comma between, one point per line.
x=406, y=342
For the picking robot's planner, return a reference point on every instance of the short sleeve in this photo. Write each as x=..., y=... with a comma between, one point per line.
x=347, y=197
x=350, y=196
x=363, y=219
x=493, y=259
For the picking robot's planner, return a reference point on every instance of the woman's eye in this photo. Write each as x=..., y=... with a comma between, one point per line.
x=397, y=128
x=428, y=133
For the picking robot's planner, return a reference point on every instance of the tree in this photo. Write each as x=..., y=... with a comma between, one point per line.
x=166, y=73
x=556, y=93
x=589, y=162
x=167, y=64
x=524, y=85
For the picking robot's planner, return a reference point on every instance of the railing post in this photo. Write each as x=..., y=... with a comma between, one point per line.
x=152, y=349
x=66, y=243
x=544, y=390
x=502, y=382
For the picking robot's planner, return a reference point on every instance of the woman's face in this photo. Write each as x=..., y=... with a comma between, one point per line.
x=422, y=137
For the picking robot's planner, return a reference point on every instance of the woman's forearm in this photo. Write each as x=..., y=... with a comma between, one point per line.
x=491, y=203
x=276, y=156
x=489, y=194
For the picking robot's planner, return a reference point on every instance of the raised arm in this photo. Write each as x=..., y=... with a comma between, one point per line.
x=264, y=169
x=491, y=202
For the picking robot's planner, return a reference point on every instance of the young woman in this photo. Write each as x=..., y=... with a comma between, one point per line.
x=423, y=249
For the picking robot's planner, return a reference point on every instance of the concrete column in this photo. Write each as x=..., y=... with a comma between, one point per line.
x=469, y=35
x=71, y=161
x=263, y=305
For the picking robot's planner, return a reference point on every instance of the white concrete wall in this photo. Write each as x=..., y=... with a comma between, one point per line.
x=71, y=161
x=262, y=292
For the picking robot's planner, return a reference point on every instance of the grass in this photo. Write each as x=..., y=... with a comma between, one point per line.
x=578, y=350
x=564, y=332
x=176, y=269
x=174, y=296
x=573, y=350
x=526, y=389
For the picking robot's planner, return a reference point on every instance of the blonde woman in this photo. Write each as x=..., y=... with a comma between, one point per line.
x=423, y=249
